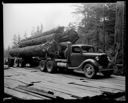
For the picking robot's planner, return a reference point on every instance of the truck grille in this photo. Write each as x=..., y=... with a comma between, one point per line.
x=103, y=60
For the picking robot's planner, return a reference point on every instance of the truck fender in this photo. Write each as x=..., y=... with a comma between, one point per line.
x=92, y=61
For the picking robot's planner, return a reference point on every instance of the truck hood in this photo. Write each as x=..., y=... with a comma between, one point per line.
x=94, y=54
x=102, y=58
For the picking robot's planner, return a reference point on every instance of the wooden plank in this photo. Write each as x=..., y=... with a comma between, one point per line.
x=114, y=80
x=20, y=95
x=17, y=89
x=68, y=90
x=37, y=91
x=65, y=85
x=27, y=82
x=97, y=83
x=54, y=91
x=59, y=87
x=12, y=83
x=82, y=86
x=106, y=81
x=100, y=88
x=55, y=79
x=63, y=95
x=58, y=83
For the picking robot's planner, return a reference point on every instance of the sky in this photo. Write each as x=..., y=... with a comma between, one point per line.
x=21, y=18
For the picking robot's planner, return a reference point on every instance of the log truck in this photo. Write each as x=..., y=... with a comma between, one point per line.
x=60, y=52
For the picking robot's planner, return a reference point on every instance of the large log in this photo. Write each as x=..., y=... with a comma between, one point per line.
x=69, y=35
x=37, y=50
x=36, y=41
x=52, y=31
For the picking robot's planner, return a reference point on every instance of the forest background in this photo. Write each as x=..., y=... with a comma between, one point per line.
x=102, y=25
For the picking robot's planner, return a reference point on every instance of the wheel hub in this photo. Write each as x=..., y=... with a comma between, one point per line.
x=89, y=71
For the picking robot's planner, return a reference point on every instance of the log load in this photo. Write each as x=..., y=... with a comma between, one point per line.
x=69, y=35
x=52, y=31
x=37, y=50
x=36, y=41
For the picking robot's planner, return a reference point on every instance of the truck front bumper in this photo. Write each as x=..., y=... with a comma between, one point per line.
x=108, y=68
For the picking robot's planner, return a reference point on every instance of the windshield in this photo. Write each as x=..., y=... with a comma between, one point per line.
x=91, y=49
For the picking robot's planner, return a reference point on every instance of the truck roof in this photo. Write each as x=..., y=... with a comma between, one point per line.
x=65, y=44
x=82, y=45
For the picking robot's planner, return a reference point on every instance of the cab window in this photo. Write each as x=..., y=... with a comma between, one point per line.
x=76, y=50
x=87, y=49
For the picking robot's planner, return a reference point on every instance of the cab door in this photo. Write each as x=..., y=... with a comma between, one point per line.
x=76, y=56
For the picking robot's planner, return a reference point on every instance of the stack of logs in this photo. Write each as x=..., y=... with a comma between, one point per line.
x=48, y=41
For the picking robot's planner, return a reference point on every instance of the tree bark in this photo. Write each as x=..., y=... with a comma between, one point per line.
x=69, y=35
x=36, y=50
x=119, y=30
x=52, y=31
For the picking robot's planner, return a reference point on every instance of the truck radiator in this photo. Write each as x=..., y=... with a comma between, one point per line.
x=103, y=60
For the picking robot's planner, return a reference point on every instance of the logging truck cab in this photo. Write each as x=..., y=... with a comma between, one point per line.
x=78, y=57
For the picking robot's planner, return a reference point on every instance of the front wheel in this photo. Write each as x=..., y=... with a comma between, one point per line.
x=89, y=71
x=51, y=66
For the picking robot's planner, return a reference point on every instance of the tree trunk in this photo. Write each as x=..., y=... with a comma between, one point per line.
x=52, y=31
x=70, y=35
x=119, y=34
x=36, y=50
x=119, y=31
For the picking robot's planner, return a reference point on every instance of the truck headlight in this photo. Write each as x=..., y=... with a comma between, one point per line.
x=97, y=58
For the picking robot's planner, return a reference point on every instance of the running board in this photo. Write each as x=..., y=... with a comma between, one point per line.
x=75, y=68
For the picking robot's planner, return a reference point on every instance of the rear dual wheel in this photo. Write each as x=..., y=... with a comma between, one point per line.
x=48, y=66
x=19, y=63
x=51, y=66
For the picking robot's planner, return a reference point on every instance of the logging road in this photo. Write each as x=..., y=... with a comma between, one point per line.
x=31, y=84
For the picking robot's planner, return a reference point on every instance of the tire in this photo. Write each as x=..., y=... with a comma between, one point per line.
x=16, y=62
x=107, y=73
x=89, y=71
x=51, y=67
x=20, y=63
x=42, y=65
